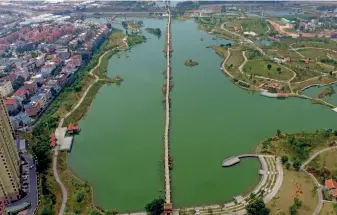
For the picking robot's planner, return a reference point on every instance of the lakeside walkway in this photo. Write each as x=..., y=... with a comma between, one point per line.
x=57, y=148
x=168, y=202
x=319, y=186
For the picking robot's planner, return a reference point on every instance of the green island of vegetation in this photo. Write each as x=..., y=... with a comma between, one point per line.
x=132, y=25
x=328, y=91
x=134, y=39
x=190, y=63
x=154, y=31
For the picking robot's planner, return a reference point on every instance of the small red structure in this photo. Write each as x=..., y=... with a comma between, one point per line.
x=52, y=140
x=117, y=77
x=333, y=143
x=73, y=128
x=331, y=185
x=168, y=208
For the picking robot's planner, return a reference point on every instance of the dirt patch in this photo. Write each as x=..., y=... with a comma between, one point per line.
x=295, y=184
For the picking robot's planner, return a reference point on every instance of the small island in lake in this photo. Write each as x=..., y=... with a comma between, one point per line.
x=154, y=31
x=191, y=63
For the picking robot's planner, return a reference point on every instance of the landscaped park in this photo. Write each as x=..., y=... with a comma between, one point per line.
x=285, y=170
x=287, y=66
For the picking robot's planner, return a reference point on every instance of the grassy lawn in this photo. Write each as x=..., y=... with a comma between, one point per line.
x=319, y=43
x=328, y=209
x=221, y=51
x=325, y=161
x=80, y=112
x=259, y=67
x=306, y=144
x=235, y=58
x=328, y=158
x=314, y=53
x=321, y=80
x=294, y=181
x=55, y=189
x=253, y=55
x=284, y=53
x=305, y=71
x=249, y=24
x=115, y=40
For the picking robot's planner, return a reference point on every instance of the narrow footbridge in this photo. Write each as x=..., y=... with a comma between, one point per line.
x=168, y=202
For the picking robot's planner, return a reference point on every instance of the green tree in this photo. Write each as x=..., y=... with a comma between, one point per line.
x=269, y=66
x=18, y=83
x=287, y=165
x=252, y=195
x=47, y=211
x=156, y=207
x=296, y=205
x=80, y=197
x=257, y=207
x=284, y=159
x=278, y=69
x=110, y=212
x=95, y=213
x=278, y=132
x=53, y=91
x=297, y=164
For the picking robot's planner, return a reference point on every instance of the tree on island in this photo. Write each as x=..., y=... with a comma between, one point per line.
x=269, y=66
x=156, y=207
x=257, y=207
x=278, y=132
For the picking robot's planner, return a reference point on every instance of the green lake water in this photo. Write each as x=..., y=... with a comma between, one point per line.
x=315, y=91
x=120, y=148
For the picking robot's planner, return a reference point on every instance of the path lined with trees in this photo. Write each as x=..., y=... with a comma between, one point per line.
x=57, y=149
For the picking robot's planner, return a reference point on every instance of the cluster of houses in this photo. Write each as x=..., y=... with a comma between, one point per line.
x=43, y=58
x=39, y=89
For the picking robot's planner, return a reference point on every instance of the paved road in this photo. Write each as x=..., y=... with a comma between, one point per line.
x=319, y=186
x=32, y=196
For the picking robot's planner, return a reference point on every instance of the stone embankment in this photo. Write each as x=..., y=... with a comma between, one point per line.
x=168, y=203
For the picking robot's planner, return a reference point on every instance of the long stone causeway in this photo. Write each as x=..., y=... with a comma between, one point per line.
x=168, y=203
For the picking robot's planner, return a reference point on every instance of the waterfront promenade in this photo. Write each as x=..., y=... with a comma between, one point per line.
x=167, y=118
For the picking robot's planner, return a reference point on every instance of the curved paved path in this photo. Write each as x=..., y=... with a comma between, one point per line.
x=319, y=186
x=56, y=150
x=243, y=38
